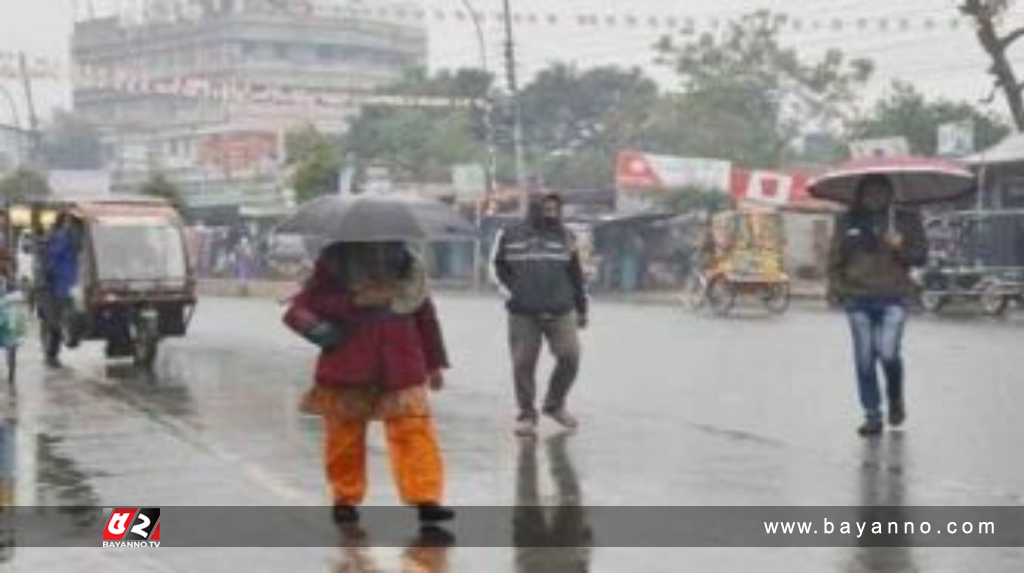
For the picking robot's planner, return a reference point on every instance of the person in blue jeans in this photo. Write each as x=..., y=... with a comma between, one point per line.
x=874, y=247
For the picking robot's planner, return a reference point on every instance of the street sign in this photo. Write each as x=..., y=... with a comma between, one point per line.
x=956, y=139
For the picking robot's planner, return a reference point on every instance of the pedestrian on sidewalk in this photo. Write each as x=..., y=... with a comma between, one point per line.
x=368, y=308
x=60, y=267
x=537, y=266
x=874, y=246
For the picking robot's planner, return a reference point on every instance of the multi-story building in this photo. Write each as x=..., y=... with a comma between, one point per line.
x=204, y=90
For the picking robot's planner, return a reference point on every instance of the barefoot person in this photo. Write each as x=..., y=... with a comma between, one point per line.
x=537, y=265
x=869, y=272
x=368, y=308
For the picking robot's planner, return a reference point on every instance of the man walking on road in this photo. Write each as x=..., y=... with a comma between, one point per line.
x=537, y=266
x=873, y=250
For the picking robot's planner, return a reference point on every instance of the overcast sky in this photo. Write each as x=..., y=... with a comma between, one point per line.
x=941, y=61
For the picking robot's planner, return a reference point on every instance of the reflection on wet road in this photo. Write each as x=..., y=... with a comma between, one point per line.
x=882, y=484
x=676, y=410
x=561, y=542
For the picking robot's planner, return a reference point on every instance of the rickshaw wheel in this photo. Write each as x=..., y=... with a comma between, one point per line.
x=694, y=294
x=776, y=298
x=933, y=302
x=993, y=302
x=721, y=295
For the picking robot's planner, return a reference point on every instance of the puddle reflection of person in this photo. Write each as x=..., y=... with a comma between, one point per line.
x=426, y=553
x=561, y=543
x=882, y=483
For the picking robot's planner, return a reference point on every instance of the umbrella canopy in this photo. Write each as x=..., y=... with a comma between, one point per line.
x=916, y=180
x=377, y=218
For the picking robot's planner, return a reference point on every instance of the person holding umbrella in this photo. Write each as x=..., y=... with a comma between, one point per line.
x=368, y=308
x=874, y=246
x=869, y=267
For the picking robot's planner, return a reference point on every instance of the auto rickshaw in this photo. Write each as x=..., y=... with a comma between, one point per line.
x=974, y=256
x=136, y=284
x=742, y=255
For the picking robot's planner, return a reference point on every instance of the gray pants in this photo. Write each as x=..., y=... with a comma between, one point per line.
x=525, y=336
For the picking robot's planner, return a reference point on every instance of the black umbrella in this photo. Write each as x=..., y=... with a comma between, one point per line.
x=377, y=218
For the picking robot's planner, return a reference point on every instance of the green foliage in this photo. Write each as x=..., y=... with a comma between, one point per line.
x=71, y=143
x=746, y=97
x=906, y=112
x=159, y=186
x=24, y=184
x=576, y=122
x=421, y=144
x=316, y=162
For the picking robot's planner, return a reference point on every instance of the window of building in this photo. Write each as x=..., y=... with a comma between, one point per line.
x=280, y=51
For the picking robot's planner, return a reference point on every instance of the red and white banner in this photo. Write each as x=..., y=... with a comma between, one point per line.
x=637, y=172
x=769, y=187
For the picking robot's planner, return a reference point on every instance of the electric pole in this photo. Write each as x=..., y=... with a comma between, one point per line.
x=513, y=88
x=33, y=120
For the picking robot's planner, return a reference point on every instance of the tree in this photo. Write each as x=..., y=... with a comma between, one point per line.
x=159, y=186
x=24, y=184
x=316, y=162
x=906, y=112
x=989, y=16
x=71, y=143
x=746, y=97
x=576, y=122
x=421, y=144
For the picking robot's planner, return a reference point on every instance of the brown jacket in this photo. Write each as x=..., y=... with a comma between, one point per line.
x=862, y=265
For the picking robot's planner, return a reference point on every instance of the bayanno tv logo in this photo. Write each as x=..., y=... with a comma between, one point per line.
x=132, y=528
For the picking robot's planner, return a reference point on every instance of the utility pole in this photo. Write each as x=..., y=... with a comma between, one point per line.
x=492, y=155
x=513, y=88
x=33, y=120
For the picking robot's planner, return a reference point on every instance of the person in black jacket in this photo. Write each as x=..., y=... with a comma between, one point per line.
x=537, y=266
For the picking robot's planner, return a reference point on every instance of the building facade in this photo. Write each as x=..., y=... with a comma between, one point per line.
x=203, y=91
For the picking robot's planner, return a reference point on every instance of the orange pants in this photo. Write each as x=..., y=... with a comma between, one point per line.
x=415, y=459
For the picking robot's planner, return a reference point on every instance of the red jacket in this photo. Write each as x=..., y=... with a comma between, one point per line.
x=398, y=351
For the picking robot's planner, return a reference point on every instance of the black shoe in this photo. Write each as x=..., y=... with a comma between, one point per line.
x=897, y=413
x=870, y=428
x=345, y=514
x=53, y=362
x=435, y=513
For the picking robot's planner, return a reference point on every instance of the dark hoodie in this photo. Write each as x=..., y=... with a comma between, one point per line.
x=537, y=263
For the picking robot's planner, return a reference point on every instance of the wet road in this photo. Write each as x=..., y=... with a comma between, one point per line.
x=676, y=410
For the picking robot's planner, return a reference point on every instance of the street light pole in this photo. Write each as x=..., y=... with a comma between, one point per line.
x=492, y=161
x=513, y=88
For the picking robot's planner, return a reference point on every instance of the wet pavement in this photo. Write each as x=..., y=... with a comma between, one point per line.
x=677, y=410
